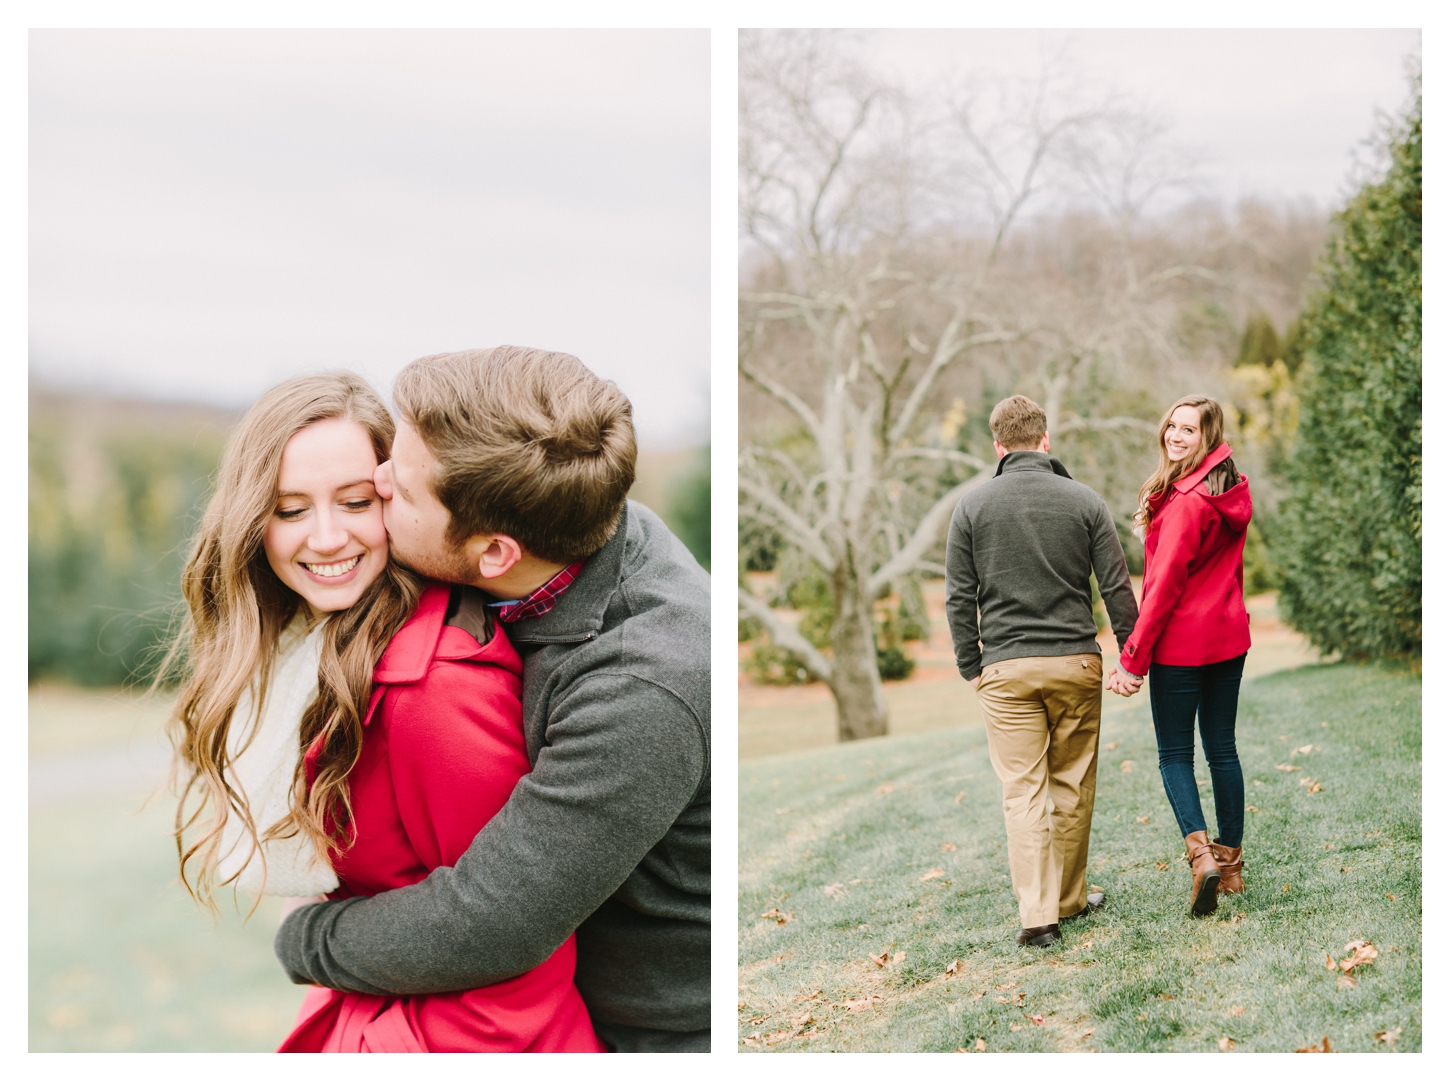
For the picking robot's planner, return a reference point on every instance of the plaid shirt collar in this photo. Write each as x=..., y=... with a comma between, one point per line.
x=540, y=600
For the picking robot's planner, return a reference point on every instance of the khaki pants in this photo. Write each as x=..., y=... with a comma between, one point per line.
x=1042, y=716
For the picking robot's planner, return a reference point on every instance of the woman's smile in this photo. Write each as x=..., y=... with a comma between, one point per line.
x=335, y=571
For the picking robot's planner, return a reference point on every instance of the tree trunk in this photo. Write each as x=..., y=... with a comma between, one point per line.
x=856, y=683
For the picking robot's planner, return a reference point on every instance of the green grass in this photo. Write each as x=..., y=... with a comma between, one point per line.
x=1141, y=975
x=120, y=958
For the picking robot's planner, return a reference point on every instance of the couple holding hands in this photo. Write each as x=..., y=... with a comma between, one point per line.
x=448, y=690
x=1020, y=553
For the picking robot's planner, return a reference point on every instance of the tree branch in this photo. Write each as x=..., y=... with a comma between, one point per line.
x=786, y=636
x=791, y=522
x=926, y=533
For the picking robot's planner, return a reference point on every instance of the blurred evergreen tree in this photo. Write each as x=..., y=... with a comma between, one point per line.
x=688, y=511
x=1348, y=545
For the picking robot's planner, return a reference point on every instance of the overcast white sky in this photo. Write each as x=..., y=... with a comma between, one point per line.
x=1275, y=113
x=212, y=211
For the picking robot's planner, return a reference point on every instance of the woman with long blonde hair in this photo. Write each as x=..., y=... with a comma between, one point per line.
x=306, y=765
x=1192, y=633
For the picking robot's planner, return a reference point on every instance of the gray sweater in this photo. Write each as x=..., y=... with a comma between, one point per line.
x=609, y=834
x=1020, y=550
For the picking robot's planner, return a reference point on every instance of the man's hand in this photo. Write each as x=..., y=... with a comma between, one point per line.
x=975, y=680
x=1124, y=683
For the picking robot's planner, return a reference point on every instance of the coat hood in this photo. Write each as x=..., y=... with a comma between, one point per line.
x=1235, y=506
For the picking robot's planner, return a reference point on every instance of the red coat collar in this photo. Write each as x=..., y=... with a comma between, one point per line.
x=407, y=656
x=1215, y=456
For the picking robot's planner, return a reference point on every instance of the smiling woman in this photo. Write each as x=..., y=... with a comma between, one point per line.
x=326, y=539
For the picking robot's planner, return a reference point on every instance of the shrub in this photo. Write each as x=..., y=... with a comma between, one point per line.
x=1348, y=543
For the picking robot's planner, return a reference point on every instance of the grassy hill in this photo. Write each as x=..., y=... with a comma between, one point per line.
x=876, y=912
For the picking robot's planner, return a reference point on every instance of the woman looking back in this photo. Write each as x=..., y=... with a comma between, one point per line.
x=1192, y=634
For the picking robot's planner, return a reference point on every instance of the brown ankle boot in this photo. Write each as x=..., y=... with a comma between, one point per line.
x=1230, y=867
x=1203, y=898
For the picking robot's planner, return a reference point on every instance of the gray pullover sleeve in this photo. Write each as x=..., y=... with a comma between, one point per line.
x=962, y=595
x=622, y=759
x=1112, y=574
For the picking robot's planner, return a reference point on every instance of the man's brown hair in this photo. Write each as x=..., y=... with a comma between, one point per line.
x=1018, y=423
x=529, y=443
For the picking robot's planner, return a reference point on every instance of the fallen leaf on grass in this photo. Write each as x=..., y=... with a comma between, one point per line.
x=956, y=967
x=1239, y=917
x=781, y=918
x=1286, y=889
x=1301, y=750
x=1345, y=982
x=1112, y=746
x=935, y=872
x=1252, y=809
x=1160, y=865
x=1166, y=997
x=776, y=1037
x=948, y=847
x=960, y=794
x=1144, y=819
x=883, y=789
x=1127, y=766
x=1016, y=1028
x=982, y=1044
x=1360, y=953
x=833, y=889
x=1287, y=768
x=1391, y=896
x=1389, y=1038
x=859, y=1005
x=1311, y=784
x=898, y=958
x=1322, y=1049
x=1236, y=1011
x=1225, y=1043
x=1037, y=1019
x=881, y=958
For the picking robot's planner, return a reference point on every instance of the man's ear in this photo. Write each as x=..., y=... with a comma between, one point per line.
x=1001, y=450
x=1046, y=445
x=497, y=555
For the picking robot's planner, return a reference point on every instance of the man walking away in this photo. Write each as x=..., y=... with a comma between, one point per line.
x=1019, y=552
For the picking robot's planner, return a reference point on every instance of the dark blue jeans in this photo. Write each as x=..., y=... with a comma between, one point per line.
x=1211, y=691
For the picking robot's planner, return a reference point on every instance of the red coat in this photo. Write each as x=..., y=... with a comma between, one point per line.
x=1193, y=611
x=442, y=750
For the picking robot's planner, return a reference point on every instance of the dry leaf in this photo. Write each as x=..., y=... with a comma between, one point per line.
x=960, y=1051
x=1389, y=1038
x=1315, y=787
x=1160, y=865
x=885, y=955
x=1391, y=896
x=1286, y=889
x=1225, y=1043
x=1037, y=1019
x=1329, y=961
x=776, y=1037
x=1252, y=809
x=948, y=847
x=1322, y=1049
x=1236, y=1011
x=1239, y=917
x=1287, y=768
x=1143, y=819
x=935, y=872
x=982, y=1044
x=1016, y=1028
x=886, y=788
x=1112, y=746
x=956, y=967
x=960, y=794
x=1127, y=766
x=1346, y=982
x=833, y=889
x=1165, y=996
x=781, y=918
x=858, y=1005
x=1360, y=953
x=1304, y=749
x=898, y=958
x=1003, y=998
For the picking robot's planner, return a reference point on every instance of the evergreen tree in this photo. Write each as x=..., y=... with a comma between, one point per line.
x=1349, y=543
x=1260, y=344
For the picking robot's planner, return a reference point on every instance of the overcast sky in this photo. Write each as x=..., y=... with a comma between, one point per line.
x=212, y=211
x=1275, y=113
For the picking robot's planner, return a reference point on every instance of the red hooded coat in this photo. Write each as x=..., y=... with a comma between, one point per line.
x=1193, y=611
x=442, y=750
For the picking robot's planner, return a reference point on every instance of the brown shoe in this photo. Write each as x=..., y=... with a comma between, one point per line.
x=1230, y=867
x=1203, y=898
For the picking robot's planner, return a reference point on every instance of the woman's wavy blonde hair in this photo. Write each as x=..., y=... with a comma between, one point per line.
x=1210, y=419
x=236, y=609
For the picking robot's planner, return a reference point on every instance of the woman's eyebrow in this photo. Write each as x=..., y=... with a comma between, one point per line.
x=340, y=487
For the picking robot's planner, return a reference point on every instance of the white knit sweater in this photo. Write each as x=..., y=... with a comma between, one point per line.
x=264, y=772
